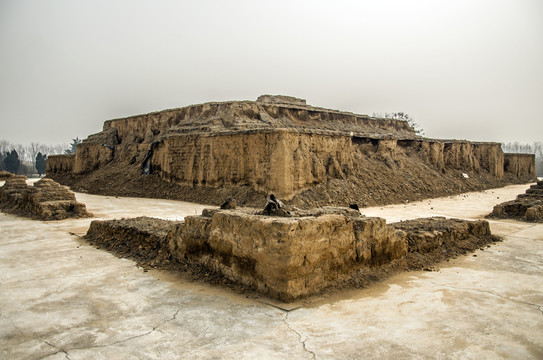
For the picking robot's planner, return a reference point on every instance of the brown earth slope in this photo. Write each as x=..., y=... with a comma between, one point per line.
x=376, y=180
x=306, y=155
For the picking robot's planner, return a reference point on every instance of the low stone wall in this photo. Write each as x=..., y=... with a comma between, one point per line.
x=46, y=200
x=284, y=257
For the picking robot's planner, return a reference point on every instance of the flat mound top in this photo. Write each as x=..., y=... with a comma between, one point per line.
x=268, y=113
x=280, y=99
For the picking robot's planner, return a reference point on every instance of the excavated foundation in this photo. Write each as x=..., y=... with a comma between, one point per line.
x=287, y=258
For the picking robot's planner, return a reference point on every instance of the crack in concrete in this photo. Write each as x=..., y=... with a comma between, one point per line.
x=55, y=278
x=523, y=238
x=59, y=350
x=13, y=324
x=300, y=336
x=22, y=242
x=63, y=229
x=155, y=328
x=66, y=352
x=539, y=307
x=281, y=308
x=519, y=230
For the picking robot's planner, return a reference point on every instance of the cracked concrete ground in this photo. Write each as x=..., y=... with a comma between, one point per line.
x=63, y=299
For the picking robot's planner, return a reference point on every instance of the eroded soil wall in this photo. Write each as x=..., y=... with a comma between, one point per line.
x=306, y=155
x=519, y=164
x=292, y=257
x=307, y=170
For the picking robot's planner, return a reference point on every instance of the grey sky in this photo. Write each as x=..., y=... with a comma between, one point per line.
x=466, y=69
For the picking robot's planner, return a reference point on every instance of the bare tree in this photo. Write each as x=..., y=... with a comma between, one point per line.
x=402, y=116
x=33, y=149
x=5, y=146
x=27, y=153
x=22, y=151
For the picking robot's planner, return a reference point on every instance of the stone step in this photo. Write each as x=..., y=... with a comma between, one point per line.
x=535, y=191
x=540, y=183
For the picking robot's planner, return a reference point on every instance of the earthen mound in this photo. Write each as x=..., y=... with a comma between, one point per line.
x=46, y=200
x=526, y=207
x=307, y=155
x=287, y=258
x=142, y=239
x=435, y=239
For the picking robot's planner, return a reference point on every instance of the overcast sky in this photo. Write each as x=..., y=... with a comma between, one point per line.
x=464, y=69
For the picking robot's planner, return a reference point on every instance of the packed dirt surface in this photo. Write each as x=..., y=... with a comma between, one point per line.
x=46, y=200
x=431, y=241
x=526, y=207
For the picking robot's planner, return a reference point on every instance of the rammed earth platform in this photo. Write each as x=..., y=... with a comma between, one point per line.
x=286, y=258
x=307, y=155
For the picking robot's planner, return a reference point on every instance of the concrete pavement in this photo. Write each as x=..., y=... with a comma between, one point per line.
x=63, y=299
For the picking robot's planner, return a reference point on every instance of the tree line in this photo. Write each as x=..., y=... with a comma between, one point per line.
x=30, y=159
